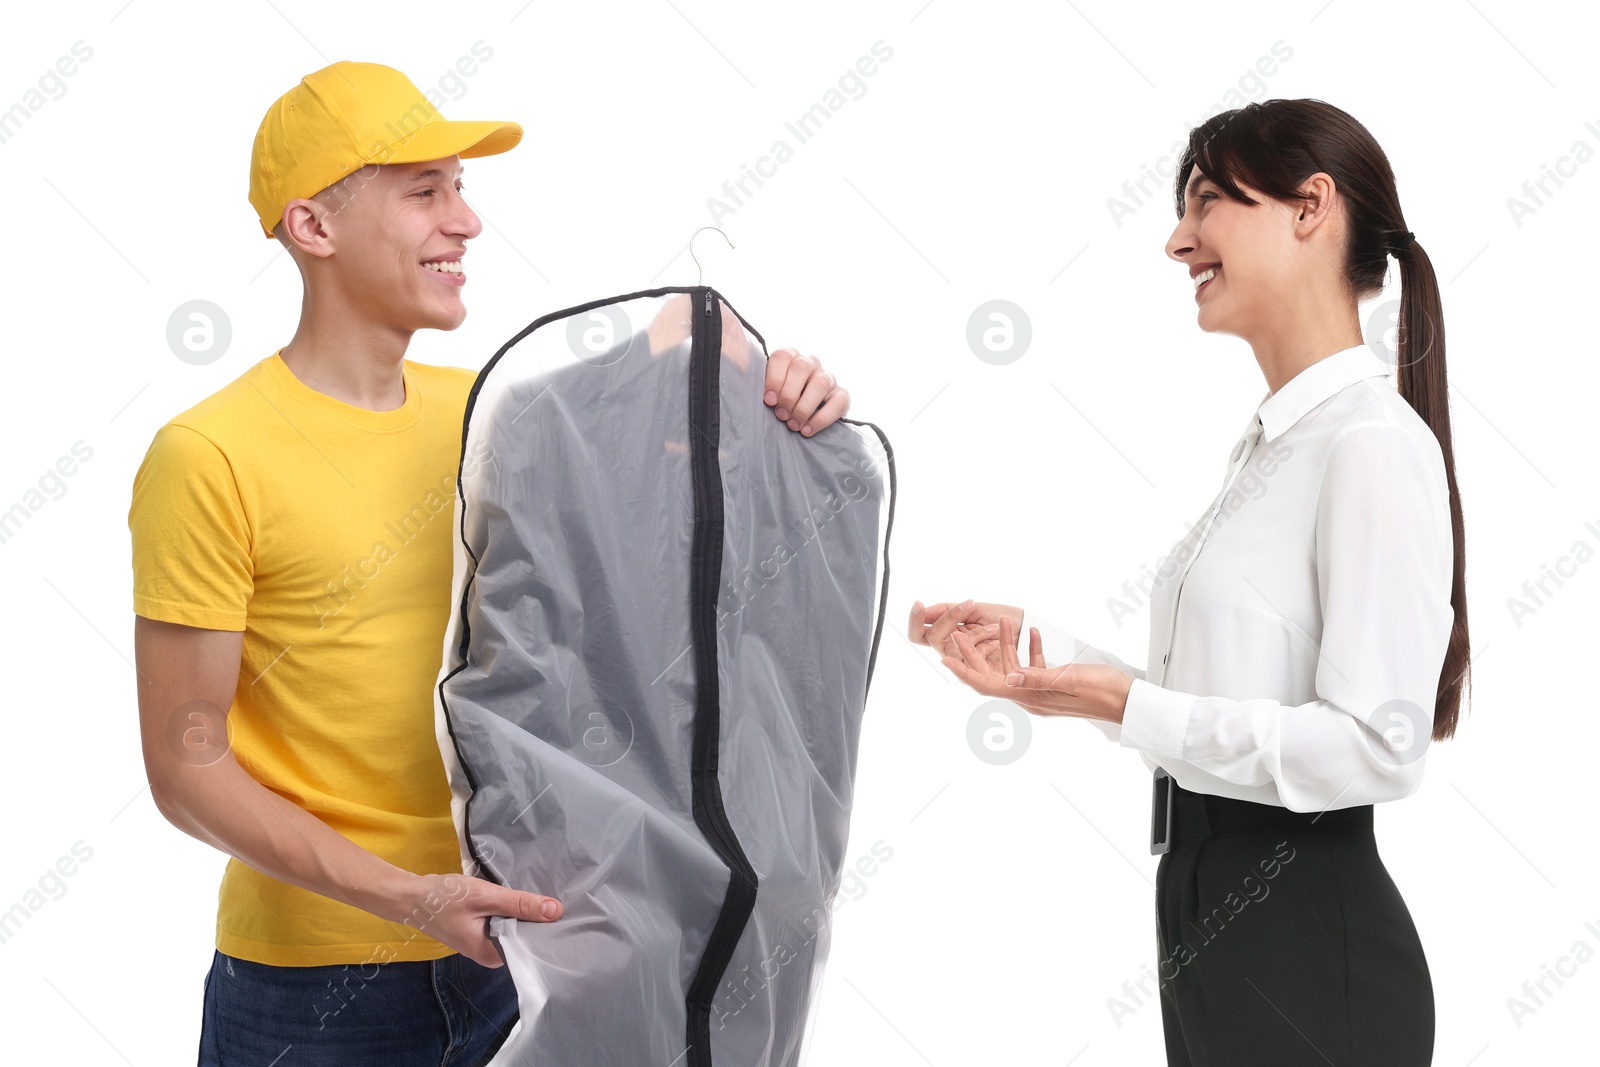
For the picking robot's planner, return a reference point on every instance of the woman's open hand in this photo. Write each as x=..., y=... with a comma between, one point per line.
x=935, y=625
x=1085, y=690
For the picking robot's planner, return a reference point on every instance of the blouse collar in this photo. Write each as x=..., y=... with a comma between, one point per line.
x=1316, y=383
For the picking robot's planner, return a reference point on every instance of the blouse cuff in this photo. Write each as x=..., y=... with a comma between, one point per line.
x=1156, y=719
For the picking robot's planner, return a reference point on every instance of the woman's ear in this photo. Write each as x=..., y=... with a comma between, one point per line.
x=1318, y=207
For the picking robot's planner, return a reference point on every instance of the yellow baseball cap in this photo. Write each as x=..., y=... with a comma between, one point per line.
x=345, y=117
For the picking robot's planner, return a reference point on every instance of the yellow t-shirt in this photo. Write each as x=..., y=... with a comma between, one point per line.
x=323, y=531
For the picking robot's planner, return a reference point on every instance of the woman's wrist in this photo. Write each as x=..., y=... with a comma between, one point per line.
x=1118, y=698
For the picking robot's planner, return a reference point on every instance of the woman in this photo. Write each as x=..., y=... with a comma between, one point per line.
x=1322, y=637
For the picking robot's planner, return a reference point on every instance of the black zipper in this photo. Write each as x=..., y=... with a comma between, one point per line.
x=705, y=581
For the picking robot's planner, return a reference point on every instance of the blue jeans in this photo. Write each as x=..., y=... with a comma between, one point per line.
x=449, y=1012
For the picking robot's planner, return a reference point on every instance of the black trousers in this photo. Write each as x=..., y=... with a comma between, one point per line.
x=1283, y=940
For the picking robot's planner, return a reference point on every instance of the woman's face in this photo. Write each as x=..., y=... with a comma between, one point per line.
x=1250, y=248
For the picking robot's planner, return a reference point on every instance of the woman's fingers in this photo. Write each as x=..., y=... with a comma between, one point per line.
x=957, y=668
x=984, y=665
x=984, y=661
x=969, y=615
x=917, y=627
x=939, y=633
x=969, y=654
x=921, y=617
x=983, y=638
x=958, y=663
x=1008, y=646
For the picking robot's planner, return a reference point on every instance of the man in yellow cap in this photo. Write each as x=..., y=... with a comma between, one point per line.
x=292, y=568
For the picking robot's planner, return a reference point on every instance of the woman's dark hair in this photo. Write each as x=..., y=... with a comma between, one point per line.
x=1274, y=146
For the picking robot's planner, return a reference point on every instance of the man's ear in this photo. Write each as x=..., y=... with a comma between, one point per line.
x=307, y=225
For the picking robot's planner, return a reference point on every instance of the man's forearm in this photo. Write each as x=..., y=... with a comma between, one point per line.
x=186, y=678
x=222, y=805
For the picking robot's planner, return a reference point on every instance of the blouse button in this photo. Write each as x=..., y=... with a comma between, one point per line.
x=1238, y=450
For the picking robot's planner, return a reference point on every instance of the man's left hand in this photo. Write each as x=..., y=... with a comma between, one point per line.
x=802, y=394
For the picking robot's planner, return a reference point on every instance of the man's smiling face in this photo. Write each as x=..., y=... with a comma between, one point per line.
x=365, y=241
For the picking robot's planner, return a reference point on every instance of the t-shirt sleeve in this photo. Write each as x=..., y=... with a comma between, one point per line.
x=192, y=561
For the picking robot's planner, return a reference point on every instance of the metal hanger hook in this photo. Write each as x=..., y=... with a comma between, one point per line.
x=699, y=270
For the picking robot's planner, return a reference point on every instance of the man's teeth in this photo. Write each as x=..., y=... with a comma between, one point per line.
x=447, y=268
x=1204, y=276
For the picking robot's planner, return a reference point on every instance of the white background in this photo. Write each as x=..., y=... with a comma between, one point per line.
x=978, y=164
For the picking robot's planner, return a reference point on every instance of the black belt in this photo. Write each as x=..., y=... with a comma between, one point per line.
x=1178, y=814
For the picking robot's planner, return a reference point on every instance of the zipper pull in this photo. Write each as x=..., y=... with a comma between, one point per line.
x=708, y=302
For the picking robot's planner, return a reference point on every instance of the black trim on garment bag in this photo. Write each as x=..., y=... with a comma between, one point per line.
x=888, y=529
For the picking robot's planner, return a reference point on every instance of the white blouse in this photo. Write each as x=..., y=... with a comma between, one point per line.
x=1298, y=631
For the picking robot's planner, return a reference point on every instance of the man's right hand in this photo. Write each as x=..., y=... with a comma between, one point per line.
x=452, y=908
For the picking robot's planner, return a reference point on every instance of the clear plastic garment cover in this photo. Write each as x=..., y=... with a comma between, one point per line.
x=666, y=611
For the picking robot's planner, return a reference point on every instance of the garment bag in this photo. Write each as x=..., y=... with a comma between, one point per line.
x=666, y=611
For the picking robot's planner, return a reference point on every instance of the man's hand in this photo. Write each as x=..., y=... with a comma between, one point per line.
x=802, y=394
x=452, y=908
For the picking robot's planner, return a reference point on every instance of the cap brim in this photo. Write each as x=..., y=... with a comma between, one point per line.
x=446, y=137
